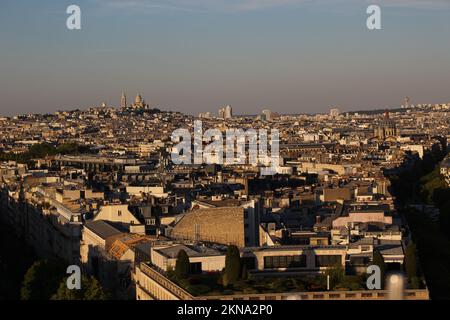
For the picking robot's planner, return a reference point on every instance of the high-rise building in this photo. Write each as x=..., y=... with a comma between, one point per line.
x=334, y=112
x=226, y=112
x=406, y=103
x=267, y=115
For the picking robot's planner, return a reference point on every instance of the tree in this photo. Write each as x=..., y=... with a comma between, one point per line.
x=44, y=149
x=90, y=290
x=94, y=291
x=244, y=273
x=182, y=265
x=42, y=279
x=336, y=274
x=434, y=188
x=410, y=263
x=232, y=266
x=379, y=261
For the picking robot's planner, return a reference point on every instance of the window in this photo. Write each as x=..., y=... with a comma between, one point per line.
x=328, y=260
x=119, y=213
x=274, y=262
x=195, y=267
x=283, y=261
x=249, y=262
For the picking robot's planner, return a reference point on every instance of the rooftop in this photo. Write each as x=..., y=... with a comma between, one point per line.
x=102, y=228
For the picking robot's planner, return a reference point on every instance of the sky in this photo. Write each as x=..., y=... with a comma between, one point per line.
x=290, y=56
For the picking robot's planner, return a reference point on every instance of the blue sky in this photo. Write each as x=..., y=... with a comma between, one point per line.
x=292, y=56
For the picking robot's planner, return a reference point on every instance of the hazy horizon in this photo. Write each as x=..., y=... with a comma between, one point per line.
x=291, y=56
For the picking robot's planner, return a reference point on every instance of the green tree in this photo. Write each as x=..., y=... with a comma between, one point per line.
x=90, y=290
x=232, y=266
x=94, y=291
x=244, y=273
x=378, y=260
x=42, y=279
x=430, y=184
x=44, y=149
x=182, y=265
x=336, y=274
x=410, y=263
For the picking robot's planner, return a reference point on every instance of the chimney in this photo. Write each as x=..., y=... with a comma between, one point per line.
x=246, y=185
x=317, y=219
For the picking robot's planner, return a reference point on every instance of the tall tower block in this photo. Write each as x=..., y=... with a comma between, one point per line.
x=406, y=102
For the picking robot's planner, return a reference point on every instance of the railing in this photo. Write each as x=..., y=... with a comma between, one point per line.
x=182, y=294
x=327, y=295
x=166, y=283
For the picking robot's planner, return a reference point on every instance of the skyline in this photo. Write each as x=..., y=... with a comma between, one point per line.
x=245, y=151
x=190, y=56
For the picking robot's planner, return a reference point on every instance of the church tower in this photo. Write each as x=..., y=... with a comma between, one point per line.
x=123, y=101
x=386, y=128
